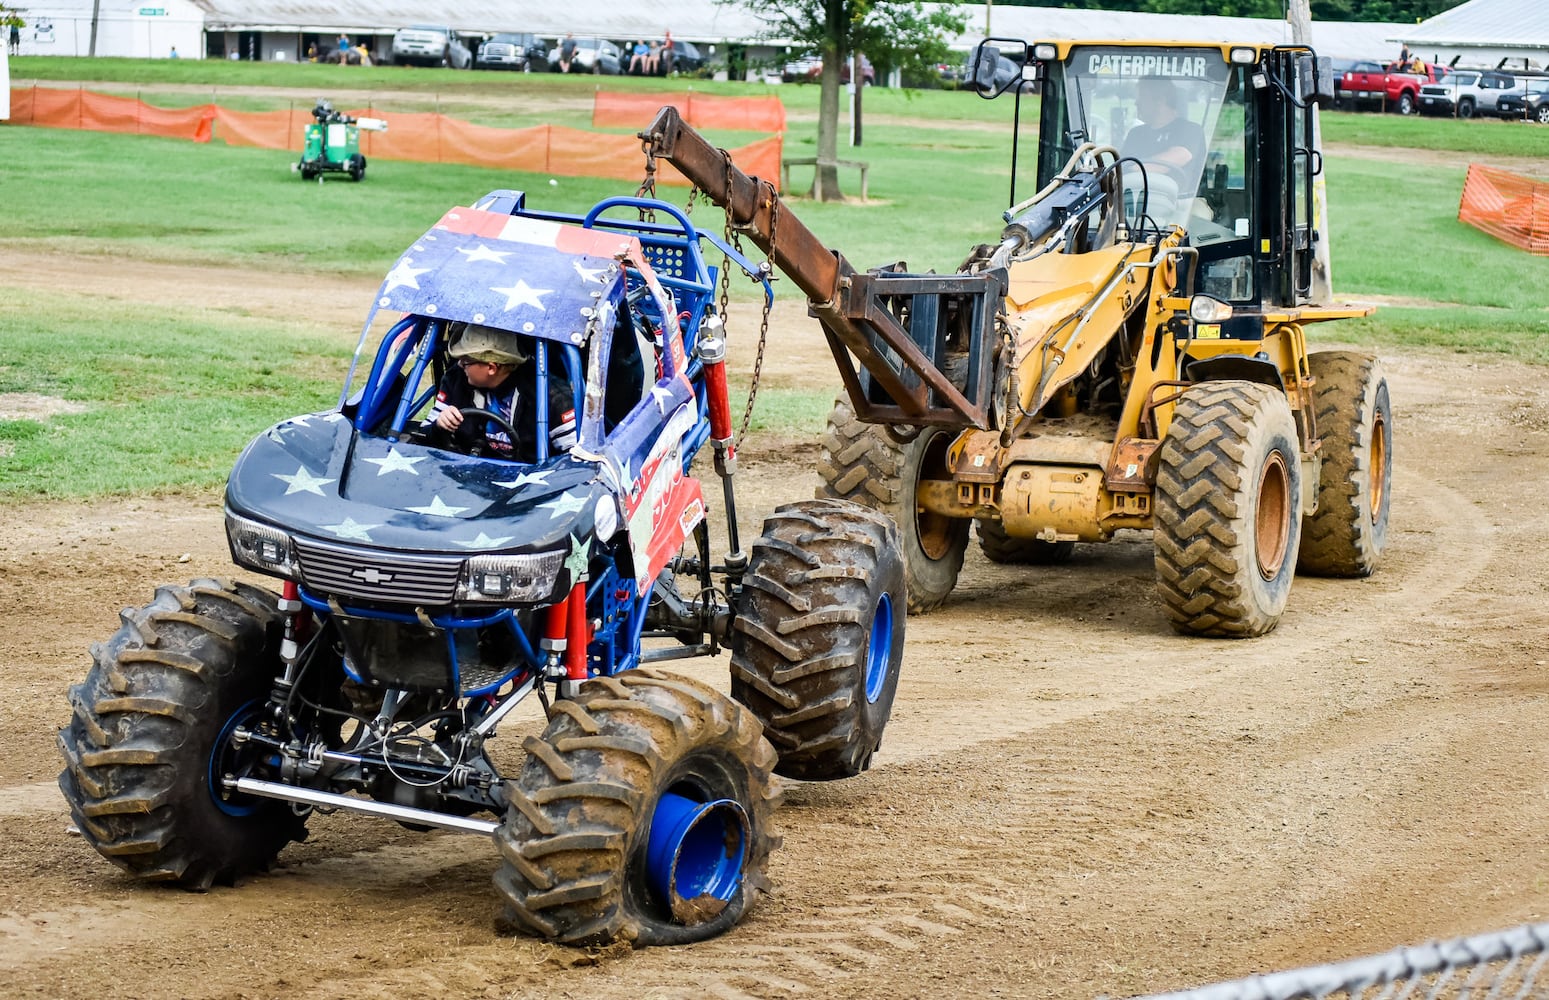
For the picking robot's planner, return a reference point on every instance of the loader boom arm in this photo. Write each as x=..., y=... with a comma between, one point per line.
x=906, y=331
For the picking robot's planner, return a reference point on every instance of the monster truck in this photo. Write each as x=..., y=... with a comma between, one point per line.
x=425, y=593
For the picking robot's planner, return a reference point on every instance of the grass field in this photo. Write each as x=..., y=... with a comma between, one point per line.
x=154, y=388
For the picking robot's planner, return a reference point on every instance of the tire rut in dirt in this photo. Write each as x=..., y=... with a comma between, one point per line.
x=819, y=635
x=1228, y=510
x=147, y=720
x=999, y=547
x=1346, y=536
x=574, y=840
x=862, y=463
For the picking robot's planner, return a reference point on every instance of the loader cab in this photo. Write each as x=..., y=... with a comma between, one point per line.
x=1213, y=139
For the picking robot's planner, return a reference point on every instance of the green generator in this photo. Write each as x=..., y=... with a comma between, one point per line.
x=331, y=143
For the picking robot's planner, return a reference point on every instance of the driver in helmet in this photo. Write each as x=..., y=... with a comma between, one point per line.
x=490, y=371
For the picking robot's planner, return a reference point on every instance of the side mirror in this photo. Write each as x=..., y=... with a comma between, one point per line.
x=982, y=65
x=1315, y=79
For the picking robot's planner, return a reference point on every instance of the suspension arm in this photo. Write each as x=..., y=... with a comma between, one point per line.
x=859, y=312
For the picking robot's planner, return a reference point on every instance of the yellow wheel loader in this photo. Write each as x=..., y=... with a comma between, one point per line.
x=1130, y=354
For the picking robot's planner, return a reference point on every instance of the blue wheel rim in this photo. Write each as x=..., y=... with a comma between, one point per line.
x=235, y=805
x=696, y=849
x=879, y=649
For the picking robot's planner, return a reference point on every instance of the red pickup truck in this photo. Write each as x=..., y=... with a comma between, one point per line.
x=1396, y=85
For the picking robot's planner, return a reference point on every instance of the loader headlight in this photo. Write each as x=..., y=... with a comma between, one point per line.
x=260, y=546
x=511, y=578
x=1208, y=309
x=1045, y=52
x=1242, y=56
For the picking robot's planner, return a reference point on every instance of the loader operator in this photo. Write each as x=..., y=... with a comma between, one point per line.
x=491, y=372
x=1165, y=141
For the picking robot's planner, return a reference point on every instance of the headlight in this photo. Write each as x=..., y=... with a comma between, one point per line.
x=516, y=578
x=1205, y=309
x=260, y=547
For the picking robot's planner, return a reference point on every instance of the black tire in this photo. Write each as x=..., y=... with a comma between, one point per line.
x=357, y=166
x=1227, y=520
x=1345, y=538
x=1465, y=109
x=864, y=464
x=308, y=172
x=1541, y=116
x=819, y=635
x=575, y=839
x=999, y=547
x=141, y=748
x=1406, y=103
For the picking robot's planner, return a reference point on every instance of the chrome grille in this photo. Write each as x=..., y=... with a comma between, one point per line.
x=377, y=575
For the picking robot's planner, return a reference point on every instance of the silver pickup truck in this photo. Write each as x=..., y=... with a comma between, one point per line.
x=430, y=45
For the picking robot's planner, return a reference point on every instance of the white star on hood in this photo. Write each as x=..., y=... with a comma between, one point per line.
x=437, y=509
x=302, y=482
x=485, y=542
x=349, y=529
x=395, y=461
x=523, y=294
x=482, y=252
x=565, y=503
x=590, y=273
x=527, y=478
x=404, y=276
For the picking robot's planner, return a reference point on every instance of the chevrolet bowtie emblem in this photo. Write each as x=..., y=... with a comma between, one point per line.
x=371, y=575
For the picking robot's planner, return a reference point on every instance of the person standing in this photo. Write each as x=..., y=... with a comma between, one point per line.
x=566, y=52
x=16, y=40
x=344, y=49
x=668, y=55
x=173, y=54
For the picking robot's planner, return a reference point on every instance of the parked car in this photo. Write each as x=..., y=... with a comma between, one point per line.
x=1346, y=74
x=1467, y=92
x=510, y=50
x=687, y=60
x=592, y=55
x=430, y=45
x=808, y=69
x=1532, y=103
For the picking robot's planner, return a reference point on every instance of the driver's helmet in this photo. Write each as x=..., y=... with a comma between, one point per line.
x=485, y=343
x=322, y=111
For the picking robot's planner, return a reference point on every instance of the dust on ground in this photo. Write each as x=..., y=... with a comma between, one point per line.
x=1070, y=800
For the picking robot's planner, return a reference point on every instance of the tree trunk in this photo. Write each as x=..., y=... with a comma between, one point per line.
x=825, y=177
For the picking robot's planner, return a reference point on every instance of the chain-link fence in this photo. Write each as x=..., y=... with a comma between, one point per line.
x=1502, y=965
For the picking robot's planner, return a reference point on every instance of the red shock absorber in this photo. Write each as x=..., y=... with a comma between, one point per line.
x=578, y=633
x=712, y=352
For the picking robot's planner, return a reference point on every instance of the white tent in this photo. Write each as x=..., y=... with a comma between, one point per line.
x=149, y=29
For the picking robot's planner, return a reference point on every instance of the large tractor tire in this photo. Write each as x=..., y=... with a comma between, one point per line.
x=1346, y=536
x=145, y=747
x=820, y=635
x=643, y=814
x=862, y=463
x=357, y=167
x=1227, y=519
x=999, y=547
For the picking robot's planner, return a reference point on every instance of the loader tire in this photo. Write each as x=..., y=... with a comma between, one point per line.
x=999, y=547
x=863, y=463
x=820, y=635
x=578, y=865
x=1227, y=519
x=1346, y=536
x=144, y=747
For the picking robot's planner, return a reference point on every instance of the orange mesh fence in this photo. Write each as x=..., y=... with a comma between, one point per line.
x=83, y=109
x=1511, y=208
x=420, y=136
x=751, y=114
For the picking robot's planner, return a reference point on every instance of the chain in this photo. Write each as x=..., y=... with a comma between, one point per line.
x=647, y=188
x=763, y=326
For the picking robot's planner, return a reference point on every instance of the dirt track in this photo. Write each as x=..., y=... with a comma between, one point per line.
x=1070, y=801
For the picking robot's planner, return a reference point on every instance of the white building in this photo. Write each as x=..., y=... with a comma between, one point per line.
x=1512, y=34
x=284, y=29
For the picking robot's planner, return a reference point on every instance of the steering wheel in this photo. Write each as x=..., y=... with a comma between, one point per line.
x=495, y=418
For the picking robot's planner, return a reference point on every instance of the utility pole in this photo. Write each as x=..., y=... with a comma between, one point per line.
x=1299, y=13
x=96, y=11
